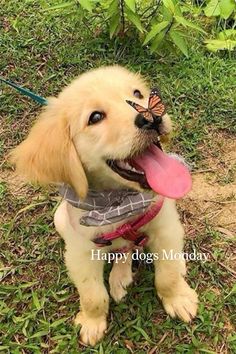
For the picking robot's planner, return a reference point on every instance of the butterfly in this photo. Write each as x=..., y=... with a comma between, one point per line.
x=156, y=108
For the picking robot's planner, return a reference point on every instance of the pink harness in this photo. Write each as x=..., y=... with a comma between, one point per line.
x=130, y=230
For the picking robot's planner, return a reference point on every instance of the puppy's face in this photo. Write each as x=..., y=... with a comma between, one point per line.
x=105, y=128
x=90, y=135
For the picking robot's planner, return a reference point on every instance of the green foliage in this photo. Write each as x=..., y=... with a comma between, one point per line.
x=159, y=24
x=225, y=40
x=179, y=40
x=223, y=10
x=156, y=22
x=86, y=4
x=157, y=28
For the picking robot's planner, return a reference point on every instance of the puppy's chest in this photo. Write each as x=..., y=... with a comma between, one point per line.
x=124, y=242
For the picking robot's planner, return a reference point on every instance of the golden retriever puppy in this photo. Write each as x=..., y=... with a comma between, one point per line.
x=90, y=138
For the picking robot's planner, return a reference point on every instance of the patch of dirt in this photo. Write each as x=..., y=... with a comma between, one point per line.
x=213, y=196
x=219, y=152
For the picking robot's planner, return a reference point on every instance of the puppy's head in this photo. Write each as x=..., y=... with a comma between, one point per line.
x=89, y=135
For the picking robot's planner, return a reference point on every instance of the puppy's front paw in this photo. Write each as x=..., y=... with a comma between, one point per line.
x=119, y=281
x=92, y=329
x=182, y=304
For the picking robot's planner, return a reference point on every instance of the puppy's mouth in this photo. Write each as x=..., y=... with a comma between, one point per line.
x=126, y=169
x=154, y=169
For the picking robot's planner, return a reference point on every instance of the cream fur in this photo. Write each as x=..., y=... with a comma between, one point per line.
x=61, y=147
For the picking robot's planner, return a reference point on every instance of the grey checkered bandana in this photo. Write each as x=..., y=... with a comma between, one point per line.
x=109, y=206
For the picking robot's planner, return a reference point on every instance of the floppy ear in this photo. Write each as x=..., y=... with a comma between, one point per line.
x=48, y=154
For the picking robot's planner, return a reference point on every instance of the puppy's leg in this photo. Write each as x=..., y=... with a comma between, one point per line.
x=87, y=276
x=120, y=277
x=177, y=297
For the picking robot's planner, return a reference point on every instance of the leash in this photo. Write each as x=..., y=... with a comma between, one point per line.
x=129, y=230
x=39, y=99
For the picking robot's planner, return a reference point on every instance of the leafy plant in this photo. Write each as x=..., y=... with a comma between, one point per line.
x=156, y=22
x=153, y=20
x=226, y=40
x=224, y=10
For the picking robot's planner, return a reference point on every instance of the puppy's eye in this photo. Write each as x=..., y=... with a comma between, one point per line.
x=138, y=94
x=96, y=117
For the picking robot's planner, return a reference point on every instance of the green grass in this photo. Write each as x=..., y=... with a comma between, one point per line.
x=37, y=299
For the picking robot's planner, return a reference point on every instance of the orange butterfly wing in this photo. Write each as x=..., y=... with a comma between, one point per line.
x=153, y=101
x=137, y=107
x=140, y=109
x=156, y=108
x=148, y=115
x=159, y=110
x=155, y=104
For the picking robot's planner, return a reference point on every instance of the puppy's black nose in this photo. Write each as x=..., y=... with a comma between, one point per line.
x=143, y=123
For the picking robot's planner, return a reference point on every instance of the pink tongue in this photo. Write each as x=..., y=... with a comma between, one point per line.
x=164, y=174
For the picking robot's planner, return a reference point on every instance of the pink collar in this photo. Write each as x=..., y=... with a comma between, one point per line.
x=130, y=230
